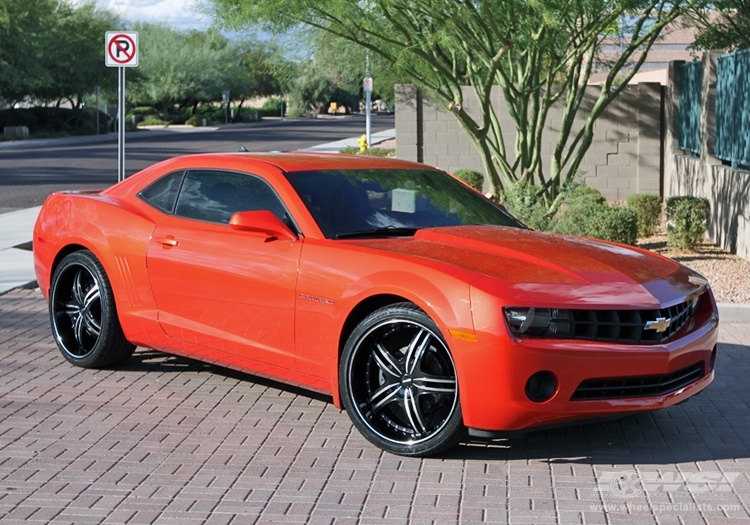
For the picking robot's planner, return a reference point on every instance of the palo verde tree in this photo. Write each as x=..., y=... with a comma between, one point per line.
x=724, y=24
x=537, y=52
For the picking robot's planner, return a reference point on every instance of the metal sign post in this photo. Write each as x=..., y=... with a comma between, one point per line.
x=121, y=51
x=120, y=124
x=367, y=85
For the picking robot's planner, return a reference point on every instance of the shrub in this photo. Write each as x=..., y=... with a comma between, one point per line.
x=585, y=213
x=54, y=121
x=19, y=117
x=471, y=177
x=372, y=152
x=140, y=110
x=581, y=202
x=648, y=208
x=524, y=202
x=614, y=223
x=271, y=108
x=152, y=120
x=687, y=221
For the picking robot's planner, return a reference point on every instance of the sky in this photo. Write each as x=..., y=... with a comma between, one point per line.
x=180, y=14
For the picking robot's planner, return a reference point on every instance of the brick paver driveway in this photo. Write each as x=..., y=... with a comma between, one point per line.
x=168, y=440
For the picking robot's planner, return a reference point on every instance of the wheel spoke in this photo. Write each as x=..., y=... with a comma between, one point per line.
x=411, y=407
x=93, y=325
x=79, y=327
x=386, y=362
x=383, y=396
x=79, y=296
x=432, y=384
x=417, y=347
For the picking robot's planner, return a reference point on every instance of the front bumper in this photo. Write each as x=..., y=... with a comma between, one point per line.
x=494, y=371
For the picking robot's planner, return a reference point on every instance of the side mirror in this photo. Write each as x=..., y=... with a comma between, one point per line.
x=262, y=221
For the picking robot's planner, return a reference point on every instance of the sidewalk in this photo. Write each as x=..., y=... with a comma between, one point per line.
x=16, y=259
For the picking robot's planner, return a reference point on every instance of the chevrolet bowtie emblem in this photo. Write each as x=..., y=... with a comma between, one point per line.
x=660, y=325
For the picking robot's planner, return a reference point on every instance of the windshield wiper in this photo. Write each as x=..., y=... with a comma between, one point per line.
x=388, y=231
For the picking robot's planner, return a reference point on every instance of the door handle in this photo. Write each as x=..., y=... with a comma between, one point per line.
x=168, y=242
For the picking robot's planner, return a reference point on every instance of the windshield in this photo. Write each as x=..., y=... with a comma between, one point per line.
x=388, y=202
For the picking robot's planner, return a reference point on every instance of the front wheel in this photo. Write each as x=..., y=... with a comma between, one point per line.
x=398, y=383
x=83, y=314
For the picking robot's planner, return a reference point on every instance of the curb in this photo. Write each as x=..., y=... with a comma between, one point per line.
x=734, y=313
x=141, y=132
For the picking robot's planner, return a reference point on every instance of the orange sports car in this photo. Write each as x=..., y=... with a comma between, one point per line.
x=425, y=310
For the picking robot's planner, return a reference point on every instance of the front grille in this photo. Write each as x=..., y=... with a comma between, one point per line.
x=629, y=326
x=643, y=386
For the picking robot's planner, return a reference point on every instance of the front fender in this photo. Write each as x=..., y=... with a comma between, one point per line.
x=335, y=281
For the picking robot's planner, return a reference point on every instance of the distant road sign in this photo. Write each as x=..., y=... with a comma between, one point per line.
x=121, y=49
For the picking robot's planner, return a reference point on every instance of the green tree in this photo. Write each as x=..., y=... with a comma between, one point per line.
x=51, y=50
x=346, y=63
x=73, y=52
x=260, y=70
x=23, y=23
x=538, y=53
x=310, y=92
x=178, y=68
x=724, y=24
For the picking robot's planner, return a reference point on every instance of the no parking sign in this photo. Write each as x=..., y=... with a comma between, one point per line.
x=121, y=49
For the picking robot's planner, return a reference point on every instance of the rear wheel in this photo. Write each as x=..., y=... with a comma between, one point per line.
x=398, y=383
x=83, y=314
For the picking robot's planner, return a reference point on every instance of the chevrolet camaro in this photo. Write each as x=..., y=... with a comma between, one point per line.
x=424, y=309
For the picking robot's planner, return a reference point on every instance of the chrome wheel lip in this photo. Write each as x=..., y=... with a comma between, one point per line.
x=408, y=378
x=78, y=304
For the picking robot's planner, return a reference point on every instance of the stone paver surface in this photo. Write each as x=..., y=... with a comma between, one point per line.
x=168, y=440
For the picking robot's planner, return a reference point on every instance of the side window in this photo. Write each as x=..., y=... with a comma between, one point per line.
x=162, y=193
x=215, y=196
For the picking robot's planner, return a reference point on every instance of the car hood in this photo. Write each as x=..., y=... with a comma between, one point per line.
x=583, y=271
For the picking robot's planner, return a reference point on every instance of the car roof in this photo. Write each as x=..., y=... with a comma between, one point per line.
x=303, y=161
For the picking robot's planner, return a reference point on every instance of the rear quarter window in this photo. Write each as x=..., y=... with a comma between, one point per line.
x=162, y=193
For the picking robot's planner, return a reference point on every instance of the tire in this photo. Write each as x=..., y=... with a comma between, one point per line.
x=83, y=314
x=398, y=383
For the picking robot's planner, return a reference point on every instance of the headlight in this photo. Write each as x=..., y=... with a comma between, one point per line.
x=540, y=321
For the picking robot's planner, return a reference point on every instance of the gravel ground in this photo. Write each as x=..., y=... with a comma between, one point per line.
x=728, y=274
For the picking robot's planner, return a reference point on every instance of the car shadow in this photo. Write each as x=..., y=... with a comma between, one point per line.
x=710, y=426
x=148, y=360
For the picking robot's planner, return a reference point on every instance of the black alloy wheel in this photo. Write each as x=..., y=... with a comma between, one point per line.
x=398, y=383
x=83, y=314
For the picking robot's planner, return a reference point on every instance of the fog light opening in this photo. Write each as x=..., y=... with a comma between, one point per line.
x=541, y=386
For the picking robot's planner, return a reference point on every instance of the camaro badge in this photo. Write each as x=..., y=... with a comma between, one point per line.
x=660, y=325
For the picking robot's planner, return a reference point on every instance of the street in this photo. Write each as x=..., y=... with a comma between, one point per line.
x=28, y=175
